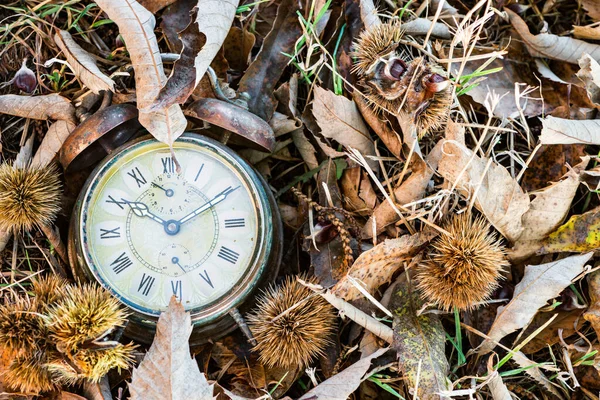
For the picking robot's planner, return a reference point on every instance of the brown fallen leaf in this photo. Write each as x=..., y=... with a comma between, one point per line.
x=419, y=341
x=358, y=192
x=549, y=164
x=412, y=189
x=342, y=385
x=156, y=5
x=201, y=39
x=52, y=142
x=340, y=120
x=539, y=284
x=136, y=25
x=592, y=314
x=305, y=148
x=168, y=371
x=592, y=7
x=388, y=136
x=263, y=74
x=498, y=195
x=238, y=48
x=49, y=106
x=552, y=46
x=375, y=267
x=565, y=324
x=83, y=64
x=586, y=32
x=547, y=211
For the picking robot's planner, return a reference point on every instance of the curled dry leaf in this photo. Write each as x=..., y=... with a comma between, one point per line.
x=539, y=284
x=546, y=45
x=547, y=211
x=412, y=189
x=381, y=127
x=305, y=148
x=419, y=340
x=342, y=385
x=49, y=106
x=136, y=25
x=202, y=39
x=377, y=266
x=340, y=120
x=420, y=27
x=498, y=389
x=263, y=74
x=168, y=371
x=590, y=76
x=498, y=195
x=586, y=32
x=566, y=131
x=52, y=142
x=83, y=64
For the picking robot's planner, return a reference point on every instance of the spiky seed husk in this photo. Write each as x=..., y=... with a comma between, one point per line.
x=465, y=266
x=29, y=197
x=22, y=329
x=380, y=42
x=29, y=374
x=92, y=364
x=86, y=313
x=291, y=325
x=49, y=289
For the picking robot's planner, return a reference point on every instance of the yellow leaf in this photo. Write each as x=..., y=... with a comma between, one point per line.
x=580, y=233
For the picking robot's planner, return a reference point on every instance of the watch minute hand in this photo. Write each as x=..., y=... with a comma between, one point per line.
x=209, y=204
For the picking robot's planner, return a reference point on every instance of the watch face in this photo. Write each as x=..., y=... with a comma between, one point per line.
x=151, y=230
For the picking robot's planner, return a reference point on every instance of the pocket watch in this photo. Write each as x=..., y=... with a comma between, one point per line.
x=202, y=226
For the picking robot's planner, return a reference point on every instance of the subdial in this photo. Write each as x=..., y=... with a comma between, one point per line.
x=170, y=195
x=174, y=260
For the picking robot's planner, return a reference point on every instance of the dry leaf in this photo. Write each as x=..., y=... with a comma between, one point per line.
x=379, y=124
x=375, y=267
x=340, y=120
x=420, y=27
x=412, y=189
x=551, y=46
x=592, y=7
x=547, y=211
x=590, y=76
x=587, y=32
x=498, y=389
x=419, y=341
x=579, y=234
x=592, y=315
x=52, y=142
x=83, y=64
x=566, y=131
x=156, y=5
x=343, y=384
x=49, y=106
x=168, y=371
x=305, y=148
x=498, y=195
x=136, y=25
x=539, y=284
x=533, y=369
x=202, y=39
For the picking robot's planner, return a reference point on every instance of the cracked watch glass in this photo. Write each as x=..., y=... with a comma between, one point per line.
x=150, y=230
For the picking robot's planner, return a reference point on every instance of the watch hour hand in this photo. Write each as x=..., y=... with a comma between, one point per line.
x=209, y=204
x=141, y=210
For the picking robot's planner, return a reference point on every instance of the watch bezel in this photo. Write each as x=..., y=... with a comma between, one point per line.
x=206, y=313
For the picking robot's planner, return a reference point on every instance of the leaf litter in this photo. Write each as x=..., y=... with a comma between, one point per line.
x=391, y=119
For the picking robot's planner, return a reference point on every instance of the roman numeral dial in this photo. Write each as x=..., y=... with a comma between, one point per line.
x=158, y=226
